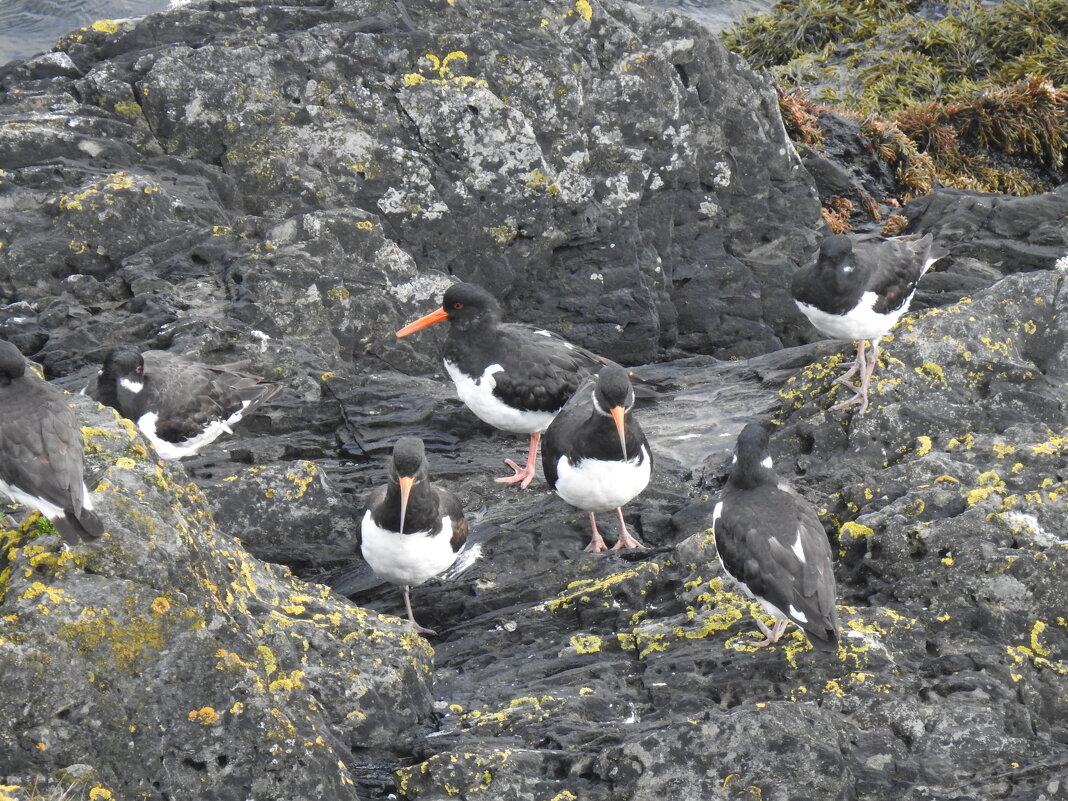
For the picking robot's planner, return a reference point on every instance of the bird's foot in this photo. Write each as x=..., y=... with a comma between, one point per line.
x=772, y=635
x=523, y=475
x=859, y=397
x=626, y=541
x=596, y=545
x=423, y=630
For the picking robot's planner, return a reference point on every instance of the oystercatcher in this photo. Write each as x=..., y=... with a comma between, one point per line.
x=595, y=455
x=512, y=376
x=858, y=288
x=41, y=451
x=412, y=530
x=770, y=541
x=180, y=405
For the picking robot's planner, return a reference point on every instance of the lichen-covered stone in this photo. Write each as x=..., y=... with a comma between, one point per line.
x=597, y=167
x=165, y=650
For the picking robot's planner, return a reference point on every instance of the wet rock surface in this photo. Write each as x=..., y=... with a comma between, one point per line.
x=288, y=184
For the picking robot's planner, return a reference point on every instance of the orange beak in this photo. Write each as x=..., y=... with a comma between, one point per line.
x=618, y=414
x=438, y=316
x=406, y=490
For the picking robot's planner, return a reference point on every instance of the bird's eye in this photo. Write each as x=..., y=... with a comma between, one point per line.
x=139, y=370
x=457, y=305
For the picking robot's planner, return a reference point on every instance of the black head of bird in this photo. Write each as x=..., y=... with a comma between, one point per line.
x=406, y=469
x=465, y=306
x=613, y=397
x=123, y=364
x=12, y=364
x=836, y=262
x=752, y=459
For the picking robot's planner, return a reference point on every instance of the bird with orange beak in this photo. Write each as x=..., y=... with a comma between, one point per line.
x=514, y=377
x=412, y=530
x=595, y=455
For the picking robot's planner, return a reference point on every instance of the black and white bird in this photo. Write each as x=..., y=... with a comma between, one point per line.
x=179, y=404
x=413, y=530
x=858, y=288
x=514, y=377
x=595, y=455
x=41, y=451
x=771, y=542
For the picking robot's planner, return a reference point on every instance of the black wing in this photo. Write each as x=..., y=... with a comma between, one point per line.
x=542, y=370
x=562, y=431
x=188, y=396
x=42, y=445
x=758, y=535
x=896, y=266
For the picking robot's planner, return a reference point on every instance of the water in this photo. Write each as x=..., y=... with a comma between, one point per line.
x=28, y=27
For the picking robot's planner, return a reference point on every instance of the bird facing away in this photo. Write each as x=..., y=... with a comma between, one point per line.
x=771, y=542
x=41, y=451
x=180, y=405
x=412, y=530
x=512, y=376
x=595, y=455
x=858, y=288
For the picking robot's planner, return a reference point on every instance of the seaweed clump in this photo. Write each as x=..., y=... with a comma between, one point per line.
x=958, y=93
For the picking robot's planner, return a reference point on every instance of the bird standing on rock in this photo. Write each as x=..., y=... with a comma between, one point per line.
x=858, y=288
x=180, y=405
x=512, y=376
x=41, y=451
x=412, y=530
x=771, y=542
x=595, y=455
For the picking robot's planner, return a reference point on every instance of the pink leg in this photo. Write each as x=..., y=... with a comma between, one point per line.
x=865, y=378
x=859, y=366
x=772, y=635
x=596, y=540
x=526, y=474
x=625, y=540
x=408, y=605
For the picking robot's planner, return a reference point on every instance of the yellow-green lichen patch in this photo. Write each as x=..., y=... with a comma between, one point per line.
x=586, y=643
x=933, y=373
x=125, y=639
x=585, y=591
x=515, y=714
x=452, y=775
x=862, y=632
x=205, y=716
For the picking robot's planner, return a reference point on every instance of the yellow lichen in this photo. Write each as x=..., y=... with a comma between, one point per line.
x=205, y=716
x=586, y=643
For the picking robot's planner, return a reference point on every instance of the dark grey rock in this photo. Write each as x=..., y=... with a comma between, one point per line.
x=600, y=174
x=175, y=665
x=288, y=183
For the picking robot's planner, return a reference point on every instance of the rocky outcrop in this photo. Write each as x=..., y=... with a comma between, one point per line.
x=288, y=183
x=164, y=660
x=596, y=167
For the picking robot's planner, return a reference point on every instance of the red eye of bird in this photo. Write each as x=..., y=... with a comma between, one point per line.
x=457, y=305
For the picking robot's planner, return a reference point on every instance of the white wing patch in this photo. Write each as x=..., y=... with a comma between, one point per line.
x=477, y=395
x=49, y=510
x=766, y=462
x=797, y=614
x=407, y=559
x=178, y=450
x=798, y=548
